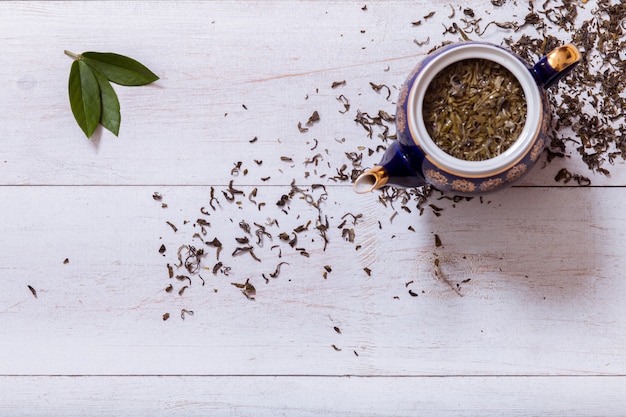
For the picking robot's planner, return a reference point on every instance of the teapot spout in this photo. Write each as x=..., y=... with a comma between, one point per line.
x=371, y=180
x=399, y=166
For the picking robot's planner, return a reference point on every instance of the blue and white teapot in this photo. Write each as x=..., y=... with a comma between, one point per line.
x=414, y=159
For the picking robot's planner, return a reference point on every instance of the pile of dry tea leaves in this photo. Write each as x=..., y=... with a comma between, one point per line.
x=589, y=108
x=474, y=109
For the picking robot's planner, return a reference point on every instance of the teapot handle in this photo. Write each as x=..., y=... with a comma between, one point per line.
x=559, y=62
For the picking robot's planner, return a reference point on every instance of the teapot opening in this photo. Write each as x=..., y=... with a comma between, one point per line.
x=371, y=180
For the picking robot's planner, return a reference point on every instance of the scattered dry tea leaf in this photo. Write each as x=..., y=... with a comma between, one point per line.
x=315, y=117
x=170, y=224
x=245, y=249
x=247, y=289
x=277, y=271
x=33, y=291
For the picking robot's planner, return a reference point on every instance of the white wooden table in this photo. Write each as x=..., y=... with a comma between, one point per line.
x=523, y=316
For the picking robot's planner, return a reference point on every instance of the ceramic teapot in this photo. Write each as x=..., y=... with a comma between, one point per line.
x=415, y=159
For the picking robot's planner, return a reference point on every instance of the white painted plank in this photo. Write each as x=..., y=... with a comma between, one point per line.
x=321, y=396
x=213, y=58
x=539, y=285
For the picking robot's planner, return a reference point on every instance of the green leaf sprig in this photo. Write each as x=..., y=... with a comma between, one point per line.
x=92, y=97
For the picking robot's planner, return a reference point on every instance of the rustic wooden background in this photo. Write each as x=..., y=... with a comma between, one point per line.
x=519, y=311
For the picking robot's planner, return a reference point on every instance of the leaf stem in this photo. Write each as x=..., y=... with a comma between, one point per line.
x=72, y=55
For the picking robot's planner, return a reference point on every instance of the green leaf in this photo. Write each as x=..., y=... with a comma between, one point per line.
x=84, y=97
x=110, y=117
x=92, y=97
x=119, y=69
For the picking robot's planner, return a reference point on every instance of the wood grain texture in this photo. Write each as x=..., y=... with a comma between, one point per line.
x=518, y=312
x=317, y=396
